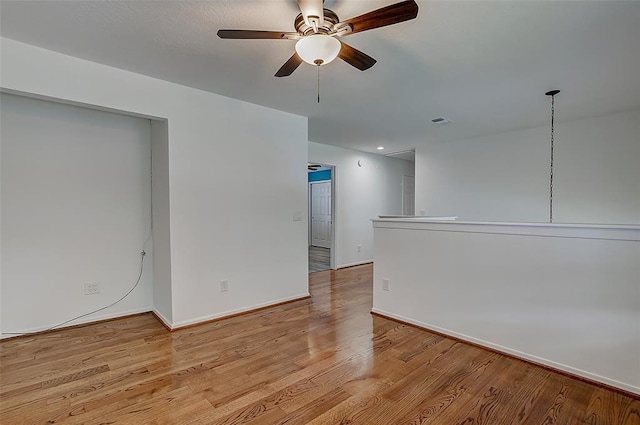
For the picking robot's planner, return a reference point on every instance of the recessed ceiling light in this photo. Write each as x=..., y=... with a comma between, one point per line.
x=380, y=148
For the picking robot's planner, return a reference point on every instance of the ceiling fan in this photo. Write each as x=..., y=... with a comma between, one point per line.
x=318, y=31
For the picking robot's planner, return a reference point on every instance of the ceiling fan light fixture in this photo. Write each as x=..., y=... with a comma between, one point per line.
x=318, y=49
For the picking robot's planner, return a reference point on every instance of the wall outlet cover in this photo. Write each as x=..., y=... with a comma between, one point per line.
x=91, y=288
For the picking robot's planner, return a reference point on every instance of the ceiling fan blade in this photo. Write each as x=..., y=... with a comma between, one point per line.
x=289, y=66
x=389, y=15
x=355, y=57
x=253, y=34
x=313, y=12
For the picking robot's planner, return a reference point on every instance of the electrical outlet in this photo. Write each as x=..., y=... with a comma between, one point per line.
x=385, y=284
x=91, y=288
x=224, y=285
x=359, y=248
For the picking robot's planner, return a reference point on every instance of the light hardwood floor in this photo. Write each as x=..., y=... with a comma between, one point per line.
x=326, y=360
x=319, y=259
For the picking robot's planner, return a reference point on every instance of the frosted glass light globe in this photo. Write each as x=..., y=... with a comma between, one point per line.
x=318, y=49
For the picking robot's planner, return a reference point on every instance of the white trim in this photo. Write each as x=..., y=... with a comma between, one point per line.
x=516, y=353
x=334, y=199
x=419, y=218
x=357, y=263
x=166, y=322
x=225, y=314
x=308, y=212
x=628, y=233
x=89, y=321
x=423, y=220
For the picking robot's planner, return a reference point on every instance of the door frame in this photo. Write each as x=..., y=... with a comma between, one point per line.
x=332, y=250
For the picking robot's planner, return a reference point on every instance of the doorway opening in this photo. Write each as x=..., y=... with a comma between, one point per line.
x=321, y=180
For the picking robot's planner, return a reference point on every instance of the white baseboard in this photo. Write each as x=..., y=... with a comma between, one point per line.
x=85, y=321
x=515, y=353
x=357, y=263
x=166, y=322
x=228, y=313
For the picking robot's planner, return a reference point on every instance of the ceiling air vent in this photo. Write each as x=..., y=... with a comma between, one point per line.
x=440, y=121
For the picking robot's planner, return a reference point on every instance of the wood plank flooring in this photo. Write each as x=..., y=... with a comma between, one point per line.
x=319, y=259
x=326, y=360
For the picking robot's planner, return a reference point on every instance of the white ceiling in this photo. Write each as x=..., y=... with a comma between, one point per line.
x=485, y=65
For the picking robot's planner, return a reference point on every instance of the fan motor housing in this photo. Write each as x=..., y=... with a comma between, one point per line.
x=330, y=20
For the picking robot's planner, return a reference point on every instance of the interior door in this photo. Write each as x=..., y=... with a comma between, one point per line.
x=408, y=195
x=321, y=214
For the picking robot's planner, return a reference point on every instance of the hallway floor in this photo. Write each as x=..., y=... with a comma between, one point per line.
x=319, y=259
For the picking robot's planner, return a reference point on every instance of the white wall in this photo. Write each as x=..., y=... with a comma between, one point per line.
x=225, y=223
x=565, y=297
x=0, y=221
x=361, y=194
x=76, y=190
x=505, y=177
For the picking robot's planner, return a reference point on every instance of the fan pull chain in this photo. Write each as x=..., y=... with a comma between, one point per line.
x=318, y=82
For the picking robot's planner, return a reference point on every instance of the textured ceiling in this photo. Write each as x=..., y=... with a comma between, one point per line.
x=484, y=65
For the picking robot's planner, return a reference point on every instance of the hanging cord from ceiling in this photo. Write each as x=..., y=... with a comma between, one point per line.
x=553, y=94
x=142, y=255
